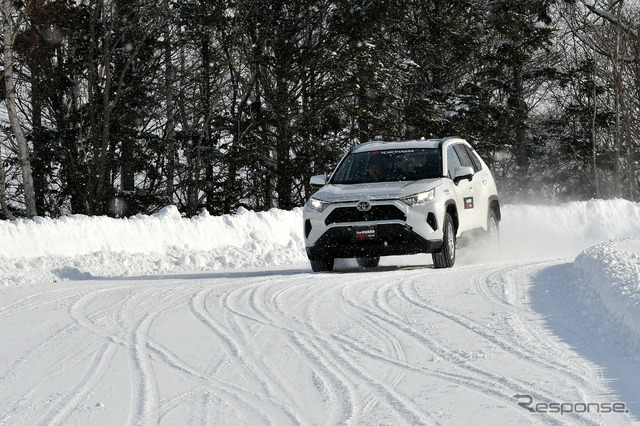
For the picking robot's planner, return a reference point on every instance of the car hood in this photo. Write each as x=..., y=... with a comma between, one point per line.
x=374, y=191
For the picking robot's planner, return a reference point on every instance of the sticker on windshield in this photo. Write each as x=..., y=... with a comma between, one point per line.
x=394, y=151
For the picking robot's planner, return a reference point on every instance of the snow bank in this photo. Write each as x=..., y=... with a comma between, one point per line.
x=535, y=232
x=78, y=235
x=609, y=280
x=79, y=247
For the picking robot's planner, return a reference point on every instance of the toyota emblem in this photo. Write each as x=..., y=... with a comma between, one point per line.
x=363, y=206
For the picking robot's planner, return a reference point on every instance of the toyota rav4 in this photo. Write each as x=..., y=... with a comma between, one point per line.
x=397, y=198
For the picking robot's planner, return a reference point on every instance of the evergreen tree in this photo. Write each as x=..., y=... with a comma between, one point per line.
x=519, y=32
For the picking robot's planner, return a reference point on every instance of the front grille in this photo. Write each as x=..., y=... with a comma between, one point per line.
x=351, y=214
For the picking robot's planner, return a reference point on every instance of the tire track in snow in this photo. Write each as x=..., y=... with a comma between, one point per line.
x=264, y=301
x=500, y=387
x=62, y=363
x=470, y=382
x=247, y=325
x=243, y=400
x=394, y=345
x=96, y=370
x=115, y=326
x=325, y=348
x=42, y=349
x=407, y=291
x=330, y=378
x=36, y=301
x=152, y=303
x=233, y=349
x=470, y=377
x=315, y=317
x=538, y=348
x=49, y=348
x=96, y=322
x=101, y=360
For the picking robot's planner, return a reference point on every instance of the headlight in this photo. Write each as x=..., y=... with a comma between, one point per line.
x=318, y=205
x=421, y=198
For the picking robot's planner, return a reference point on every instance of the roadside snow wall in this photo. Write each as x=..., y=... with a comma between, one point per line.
x=82, y=247
x=536, y=231
x=609, y=276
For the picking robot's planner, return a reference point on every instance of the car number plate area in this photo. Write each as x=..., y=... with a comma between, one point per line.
x=365, y=233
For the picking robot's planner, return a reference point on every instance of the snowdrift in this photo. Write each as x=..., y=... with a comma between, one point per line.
x=81, y=247
x=609, y=278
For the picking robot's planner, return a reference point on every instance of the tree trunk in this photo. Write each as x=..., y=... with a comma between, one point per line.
x=284, y=180
x=107, y=108
x=205, y=136
x=628, y=141
x=618, y=93
x=3, y=192
x=36, y=64
x=126, y=17
x=170, y=132
x=23, y=148
x=617, y=147
x=632, y=165
x=88, y=195
x=594, y=146
x=521, y=151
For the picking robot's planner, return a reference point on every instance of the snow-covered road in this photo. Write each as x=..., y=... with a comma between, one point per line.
x=219, y=320
x=397, y=345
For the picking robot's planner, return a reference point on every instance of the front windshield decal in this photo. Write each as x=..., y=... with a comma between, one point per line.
x=393, y=151
x=391, y=165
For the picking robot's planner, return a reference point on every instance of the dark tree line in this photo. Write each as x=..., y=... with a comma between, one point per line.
x=130, y=105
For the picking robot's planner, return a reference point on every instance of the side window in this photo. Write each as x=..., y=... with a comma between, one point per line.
x=477, y=165
x=463, y=155
x=453, y=161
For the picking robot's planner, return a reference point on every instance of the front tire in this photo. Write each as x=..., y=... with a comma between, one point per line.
x=321, y=264
x=368, y=262
x=446, y=257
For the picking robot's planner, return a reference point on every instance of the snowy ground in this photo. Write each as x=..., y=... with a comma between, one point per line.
x=219, y=320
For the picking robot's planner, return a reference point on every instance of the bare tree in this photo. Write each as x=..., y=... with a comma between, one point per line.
x=624, y=53
x=170, y=128
x=9, y=27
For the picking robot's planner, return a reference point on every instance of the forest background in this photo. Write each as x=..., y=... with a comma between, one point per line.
x=121, y=107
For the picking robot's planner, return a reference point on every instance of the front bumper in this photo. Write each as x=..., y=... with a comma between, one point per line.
x=399, y=229
x=391, y=239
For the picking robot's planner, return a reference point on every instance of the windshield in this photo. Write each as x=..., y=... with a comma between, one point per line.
x=389, y=166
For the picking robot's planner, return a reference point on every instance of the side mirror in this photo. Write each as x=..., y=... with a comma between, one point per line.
x=464, y=172
x=318, y=181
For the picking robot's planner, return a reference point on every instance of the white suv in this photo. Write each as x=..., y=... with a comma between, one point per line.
x=396, y=198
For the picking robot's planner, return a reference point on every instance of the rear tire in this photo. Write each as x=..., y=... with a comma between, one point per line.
x=321, y=265
x=368, y=262
x=446, y=257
